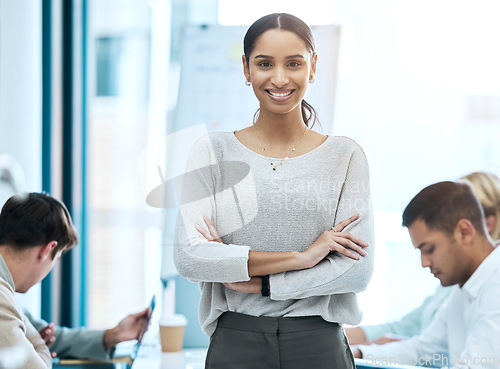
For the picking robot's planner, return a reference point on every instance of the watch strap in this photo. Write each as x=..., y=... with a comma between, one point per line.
x=265, y=285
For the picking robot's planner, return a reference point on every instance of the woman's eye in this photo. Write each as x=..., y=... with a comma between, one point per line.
x=294, y=64
x=264, y=64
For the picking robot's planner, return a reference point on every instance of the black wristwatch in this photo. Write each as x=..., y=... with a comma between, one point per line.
x=265, y=285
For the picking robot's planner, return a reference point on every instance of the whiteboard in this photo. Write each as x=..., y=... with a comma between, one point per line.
x=212, y=89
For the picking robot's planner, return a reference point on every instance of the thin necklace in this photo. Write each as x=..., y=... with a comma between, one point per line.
x=287, y=156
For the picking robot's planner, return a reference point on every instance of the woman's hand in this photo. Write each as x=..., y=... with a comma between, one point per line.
x=254, y=285
x=211, y=234
x=340, y=227
x=383, y=340
x=356, y=353
x=329, y=241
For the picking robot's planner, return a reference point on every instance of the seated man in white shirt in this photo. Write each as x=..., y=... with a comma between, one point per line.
x=486, y=187
x=446, y=224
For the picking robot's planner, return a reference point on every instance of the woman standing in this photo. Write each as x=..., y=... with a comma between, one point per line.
x=259, y=223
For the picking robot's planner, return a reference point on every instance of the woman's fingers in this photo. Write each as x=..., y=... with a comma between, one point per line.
x=212, y=230
x=348, y=244
x=342, y=250
x=351, y=237
x=340, y=227
x=204, y=233
x=211, y=234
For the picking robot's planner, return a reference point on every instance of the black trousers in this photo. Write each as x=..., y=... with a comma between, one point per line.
x=247, y=342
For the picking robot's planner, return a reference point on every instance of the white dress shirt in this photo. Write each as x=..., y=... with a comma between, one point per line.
x=465, y=332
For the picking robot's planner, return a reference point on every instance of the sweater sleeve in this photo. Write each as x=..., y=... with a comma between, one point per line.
x=414, y=351
x=415, y=321
x=17, y=331
x=79, y=343
x=337, y=273
x=194, y=257
x=407, y=326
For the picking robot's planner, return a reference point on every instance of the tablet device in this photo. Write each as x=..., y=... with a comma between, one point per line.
x=152, y=306
x=119, y=362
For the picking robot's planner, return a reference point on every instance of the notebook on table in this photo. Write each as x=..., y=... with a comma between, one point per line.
x=118, y=362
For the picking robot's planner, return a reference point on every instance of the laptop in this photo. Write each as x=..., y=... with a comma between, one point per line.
x=118, y=362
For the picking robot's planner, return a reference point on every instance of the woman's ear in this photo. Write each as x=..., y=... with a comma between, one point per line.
x=491, y=223
x=246, y=69
x=314, y=60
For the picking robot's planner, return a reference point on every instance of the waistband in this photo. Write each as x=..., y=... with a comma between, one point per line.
x=265, y=324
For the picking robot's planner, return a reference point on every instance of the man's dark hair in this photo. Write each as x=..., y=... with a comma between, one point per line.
x=442, y=205
x=34, y=219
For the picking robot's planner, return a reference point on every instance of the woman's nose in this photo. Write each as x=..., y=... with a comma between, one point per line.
x=280, y=78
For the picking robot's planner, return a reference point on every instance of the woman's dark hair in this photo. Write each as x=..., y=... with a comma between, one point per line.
x=34, y=219
x=285, y=22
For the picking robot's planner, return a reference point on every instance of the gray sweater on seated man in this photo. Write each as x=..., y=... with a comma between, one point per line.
x=80, y=343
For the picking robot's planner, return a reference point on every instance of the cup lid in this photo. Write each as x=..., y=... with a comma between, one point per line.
x=173, y=320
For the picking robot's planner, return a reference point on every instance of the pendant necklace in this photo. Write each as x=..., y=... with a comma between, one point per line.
x=287, y=156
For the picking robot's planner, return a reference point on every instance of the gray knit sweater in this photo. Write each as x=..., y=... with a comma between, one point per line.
x=257, y=208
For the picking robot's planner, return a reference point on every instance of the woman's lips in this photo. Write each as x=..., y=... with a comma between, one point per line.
x=280, y=95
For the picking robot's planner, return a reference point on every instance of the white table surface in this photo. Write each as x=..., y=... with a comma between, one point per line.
x=151, y=357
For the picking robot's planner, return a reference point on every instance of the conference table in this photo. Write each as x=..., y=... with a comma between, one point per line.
x=151, y=357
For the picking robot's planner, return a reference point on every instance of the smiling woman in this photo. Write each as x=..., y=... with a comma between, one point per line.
x=284, y=57
x=278, y=266
x=279, y=70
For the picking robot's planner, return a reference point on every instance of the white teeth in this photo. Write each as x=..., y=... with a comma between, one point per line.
x=283, y=94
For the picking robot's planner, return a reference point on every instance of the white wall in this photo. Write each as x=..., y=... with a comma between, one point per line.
x=21, y=85
x=21, y=96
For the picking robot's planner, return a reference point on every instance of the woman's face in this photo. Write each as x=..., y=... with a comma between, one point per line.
x=279, y=67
